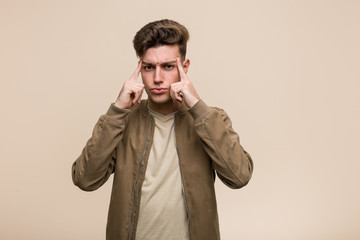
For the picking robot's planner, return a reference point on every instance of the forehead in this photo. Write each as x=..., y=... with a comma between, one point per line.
x=161, y=54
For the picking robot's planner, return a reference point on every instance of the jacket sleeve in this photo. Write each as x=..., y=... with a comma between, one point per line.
x=97, y=160
x=232, y=163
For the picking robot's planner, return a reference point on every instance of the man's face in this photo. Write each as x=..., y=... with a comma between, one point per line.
x=159, y=70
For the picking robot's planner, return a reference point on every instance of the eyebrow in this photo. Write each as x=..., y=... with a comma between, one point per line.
x=163, y=63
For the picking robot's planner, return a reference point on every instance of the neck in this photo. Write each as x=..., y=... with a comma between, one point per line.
x=164, y=108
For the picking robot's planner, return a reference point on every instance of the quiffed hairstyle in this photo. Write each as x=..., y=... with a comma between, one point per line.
x=159, y=33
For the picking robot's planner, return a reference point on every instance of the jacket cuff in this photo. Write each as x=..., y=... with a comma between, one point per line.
x=199, y=110
x=116, y=113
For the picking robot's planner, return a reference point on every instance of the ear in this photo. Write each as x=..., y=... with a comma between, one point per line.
x=186, y=65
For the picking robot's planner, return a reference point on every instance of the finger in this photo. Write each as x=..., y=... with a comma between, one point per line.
x=138, y=94
x=136, y=98
x=172, y=94
x=137, y=71
x=133, y=87
x=175, y=90
x=176, y=98
x=181, y=69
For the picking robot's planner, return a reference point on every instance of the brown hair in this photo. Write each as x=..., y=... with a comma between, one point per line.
x=159, y=33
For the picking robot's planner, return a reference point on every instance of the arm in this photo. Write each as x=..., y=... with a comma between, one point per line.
x=97, y=160
x=232, y=163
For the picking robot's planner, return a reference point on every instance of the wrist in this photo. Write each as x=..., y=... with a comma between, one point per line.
x=193, y=102
x=119, y=105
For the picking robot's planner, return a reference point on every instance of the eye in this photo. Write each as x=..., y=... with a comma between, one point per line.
x=148, y=67
x=169, y=66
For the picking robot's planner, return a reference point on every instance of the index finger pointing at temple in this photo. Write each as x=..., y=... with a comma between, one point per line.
x=181, y=69
x=137, y=71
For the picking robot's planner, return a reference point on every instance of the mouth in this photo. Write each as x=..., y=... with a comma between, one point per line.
x=158, y=90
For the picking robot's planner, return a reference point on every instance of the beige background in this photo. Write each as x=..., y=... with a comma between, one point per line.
x=287, y=73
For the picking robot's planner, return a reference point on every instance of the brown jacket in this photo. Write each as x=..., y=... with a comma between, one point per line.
x=121, y=142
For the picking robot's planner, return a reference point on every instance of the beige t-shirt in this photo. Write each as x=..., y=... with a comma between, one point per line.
x=162, y=213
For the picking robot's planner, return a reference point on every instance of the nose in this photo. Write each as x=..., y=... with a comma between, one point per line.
x=158, y=78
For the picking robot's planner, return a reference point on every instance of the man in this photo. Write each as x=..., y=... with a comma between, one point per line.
x=163, y=151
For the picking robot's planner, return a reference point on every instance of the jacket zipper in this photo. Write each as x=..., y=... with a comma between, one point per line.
x=137, y=179
x=182, y=183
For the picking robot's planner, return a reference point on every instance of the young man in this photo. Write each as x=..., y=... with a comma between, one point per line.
x=163, y=151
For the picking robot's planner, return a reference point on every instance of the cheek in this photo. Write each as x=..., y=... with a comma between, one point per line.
x=146, y=78
x=172, y=76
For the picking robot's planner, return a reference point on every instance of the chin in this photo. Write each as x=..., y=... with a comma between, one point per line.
x=160, y=99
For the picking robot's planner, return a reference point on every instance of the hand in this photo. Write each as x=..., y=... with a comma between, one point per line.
x=184, y=89
x=131, y=91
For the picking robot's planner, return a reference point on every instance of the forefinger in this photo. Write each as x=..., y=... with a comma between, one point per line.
x=181, y=69
x=137, y=71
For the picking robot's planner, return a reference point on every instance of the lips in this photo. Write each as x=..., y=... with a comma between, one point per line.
x=158, y=90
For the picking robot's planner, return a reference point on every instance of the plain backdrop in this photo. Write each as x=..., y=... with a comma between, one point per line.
x=287, y=73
